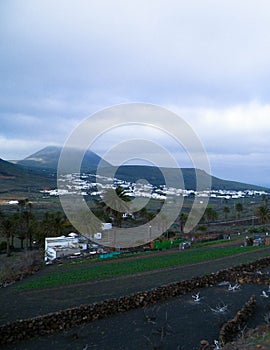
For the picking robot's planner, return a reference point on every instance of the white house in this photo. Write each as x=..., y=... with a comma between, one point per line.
x=58, y=247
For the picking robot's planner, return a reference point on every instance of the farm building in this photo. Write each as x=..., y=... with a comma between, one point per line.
x=59, y=247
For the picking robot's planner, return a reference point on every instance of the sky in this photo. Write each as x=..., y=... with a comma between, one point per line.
x=207, y=61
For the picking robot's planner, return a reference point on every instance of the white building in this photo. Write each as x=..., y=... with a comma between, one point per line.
x=59, y=247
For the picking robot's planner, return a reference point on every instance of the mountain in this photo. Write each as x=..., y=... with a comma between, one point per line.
x=154, y=175
x=38, y=171
x=16, y=178
x=48, y=157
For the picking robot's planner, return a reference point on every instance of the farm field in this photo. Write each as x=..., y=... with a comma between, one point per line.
x=33, y=302
x=178, y=323
x=101, y=270
x=182, y=315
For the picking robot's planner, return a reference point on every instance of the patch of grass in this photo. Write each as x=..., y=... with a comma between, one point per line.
x=219, y=241
x=97, y=259
x=99, y=271
x=205, y=244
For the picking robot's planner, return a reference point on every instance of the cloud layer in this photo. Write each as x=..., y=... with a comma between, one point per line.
x=207, y=61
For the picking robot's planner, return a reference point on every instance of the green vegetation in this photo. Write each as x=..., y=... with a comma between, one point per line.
x=118, y=268
x=205, y=244
x=263, y=214
x=261, y=340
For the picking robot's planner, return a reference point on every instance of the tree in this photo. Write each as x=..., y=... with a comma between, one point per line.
x=265, y=200
x=16, y=218
x=183, y=220
x=115, y=203
x=7, y=225
x=45, y=225
x=239, y=208
x=52, y=225
x=226, y=211
x=210, y=214
x=26, y=217
x=263, y=214
x=58, y=222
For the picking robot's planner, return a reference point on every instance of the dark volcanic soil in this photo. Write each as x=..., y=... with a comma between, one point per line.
x=178, y=323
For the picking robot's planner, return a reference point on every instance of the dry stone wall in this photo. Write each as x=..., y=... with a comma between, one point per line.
x=53, y=322
x=231, y=329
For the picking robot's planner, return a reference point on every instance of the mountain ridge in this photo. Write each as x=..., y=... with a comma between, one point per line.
x=38, y=171
x=154, y=175
x=47, y=158
x=17, y=178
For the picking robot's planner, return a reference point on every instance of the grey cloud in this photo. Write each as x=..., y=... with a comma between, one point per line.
x=62, y=61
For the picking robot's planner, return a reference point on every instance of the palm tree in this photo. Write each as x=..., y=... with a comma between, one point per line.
x=239, y=208
x=210, y=214
x=263, y=214
x=25, y=217
x=58, y=223
x=7, y=226
x=183, y=220
x=52, y=225
x=46, y=224
x=115, y=203
x=16, y=218
x=265, y=199
x=226, y=211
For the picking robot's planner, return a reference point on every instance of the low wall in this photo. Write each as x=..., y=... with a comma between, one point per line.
x=57, y=321
x=231, y=329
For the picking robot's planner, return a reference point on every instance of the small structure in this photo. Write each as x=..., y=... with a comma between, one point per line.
x=104, y=227
x=59, y=247
x=128, y=215
x=184, y=245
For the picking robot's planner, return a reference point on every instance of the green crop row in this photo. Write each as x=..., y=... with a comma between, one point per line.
x=108, y=270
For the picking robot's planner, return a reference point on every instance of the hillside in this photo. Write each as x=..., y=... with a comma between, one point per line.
x=154, y=176
x=18, y=179
x=39, y=171
x=47, y=159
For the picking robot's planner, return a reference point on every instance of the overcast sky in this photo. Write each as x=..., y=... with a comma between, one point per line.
x=208, y=61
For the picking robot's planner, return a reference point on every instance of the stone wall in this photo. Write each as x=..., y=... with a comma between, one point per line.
x=53, y=322
x=231, y=329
